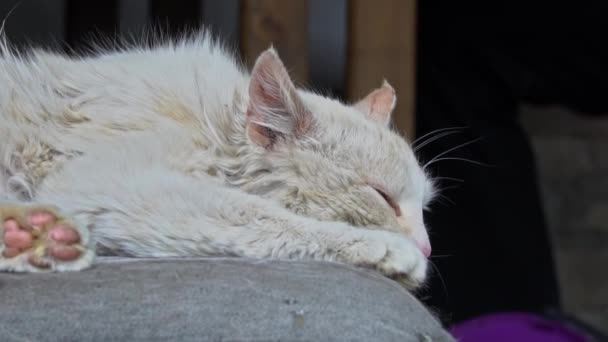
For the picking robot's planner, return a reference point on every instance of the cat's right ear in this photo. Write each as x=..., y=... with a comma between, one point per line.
x=378, y=105
x=275, y=110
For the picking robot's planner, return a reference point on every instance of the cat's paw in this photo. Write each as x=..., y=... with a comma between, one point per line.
x=394, y=255
x=39, y=238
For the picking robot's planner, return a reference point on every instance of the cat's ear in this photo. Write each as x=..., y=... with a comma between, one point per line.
x=275, y=109
x=379, y=104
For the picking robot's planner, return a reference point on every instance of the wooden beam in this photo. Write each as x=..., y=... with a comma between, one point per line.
x=282, y=24
x=382, y=41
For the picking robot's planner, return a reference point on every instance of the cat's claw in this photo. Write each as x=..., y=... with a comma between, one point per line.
x=35, y=239
x=394, y=255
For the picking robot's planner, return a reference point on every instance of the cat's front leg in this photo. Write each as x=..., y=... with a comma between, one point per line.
x=263, y=230
x=37, y=238
x=393, y=254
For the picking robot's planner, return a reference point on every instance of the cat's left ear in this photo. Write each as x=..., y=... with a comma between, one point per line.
x=379, y=104
x=275, y=109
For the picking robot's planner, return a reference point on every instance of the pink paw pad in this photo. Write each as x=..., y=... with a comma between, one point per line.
x=40, y=218
x=42, y=239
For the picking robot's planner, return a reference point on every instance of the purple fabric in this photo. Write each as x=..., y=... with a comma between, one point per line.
x=514, y=326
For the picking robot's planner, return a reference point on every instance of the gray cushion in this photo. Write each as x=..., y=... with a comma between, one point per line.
x=219, y=299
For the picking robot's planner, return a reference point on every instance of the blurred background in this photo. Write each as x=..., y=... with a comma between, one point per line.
x=518, y=88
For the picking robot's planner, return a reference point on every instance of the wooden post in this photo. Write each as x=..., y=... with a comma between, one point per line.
x=382, y=41
x=282, y=23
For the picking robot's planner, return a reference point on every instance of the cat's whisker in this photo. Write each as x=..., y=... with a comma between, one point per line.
x=441, y=196
x=449, y=178
x=450, y=150
x=430, y=134
x=441, y=256
x=447, y=188
x=460, y=159
x=445, y=288
x=430, y=140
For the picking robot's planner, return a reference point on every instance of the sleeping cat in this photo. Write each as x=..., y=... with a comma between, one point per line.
x=176, y=151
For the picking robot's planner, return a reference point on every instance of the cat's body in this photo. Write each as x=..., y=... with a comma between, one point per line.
x=174, y=151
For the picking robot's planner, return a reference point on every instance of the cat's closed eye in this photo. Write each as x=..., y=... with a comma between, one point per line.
x=389, y=200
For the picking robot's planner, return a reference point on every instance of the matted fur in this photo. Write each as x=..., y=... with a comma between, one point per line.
x=150, y=150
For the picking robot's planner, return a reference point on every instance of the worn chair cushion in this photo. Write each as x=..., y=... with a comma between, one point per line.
x=215, y=299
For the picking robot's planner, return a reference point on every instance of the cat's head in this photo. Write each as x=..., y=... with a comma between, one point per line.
x=333, y=161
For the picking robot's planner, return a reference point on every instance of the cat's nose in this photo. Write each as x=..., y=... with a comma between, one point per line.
x=422, y=240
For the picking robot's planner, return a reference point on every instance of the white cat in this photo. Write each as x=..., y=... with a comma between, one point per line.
x=175, y=151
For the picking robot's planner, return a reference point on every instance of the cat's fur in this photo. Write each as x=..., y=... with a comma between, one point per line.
x=175, y=151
